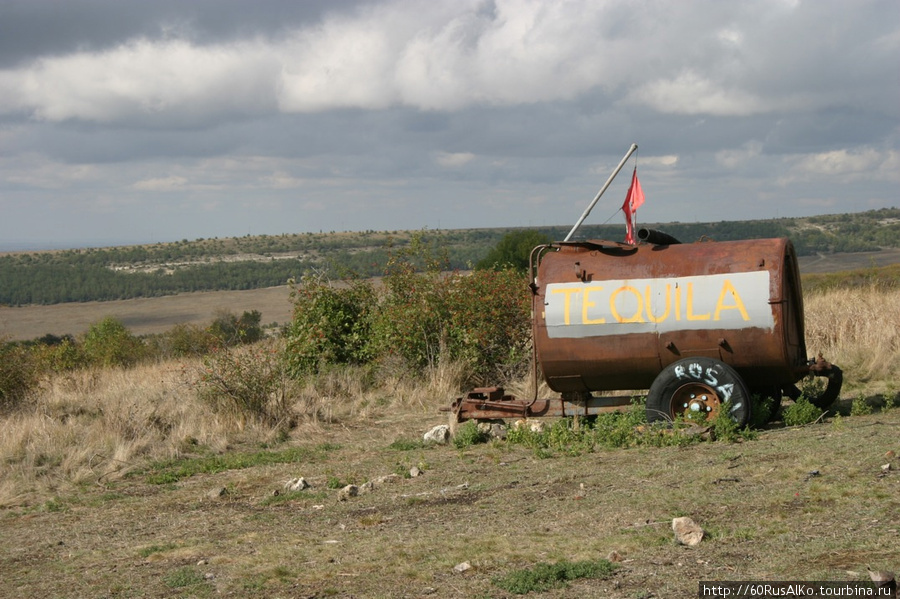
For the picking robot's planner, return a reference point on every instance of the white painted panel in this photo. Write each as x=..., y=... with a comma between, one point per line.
x=623, y=307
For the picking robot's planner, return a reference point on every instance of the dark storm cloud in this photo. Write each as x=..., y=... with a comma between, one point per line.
x=34, y=28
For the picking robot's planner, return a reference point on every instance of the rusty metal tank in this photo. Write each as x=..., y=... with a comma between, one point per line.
x=611, y=316
x=702, y=327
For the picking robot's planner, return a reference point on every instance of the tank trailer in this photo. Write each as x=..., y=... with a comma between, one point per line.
x=705, y=326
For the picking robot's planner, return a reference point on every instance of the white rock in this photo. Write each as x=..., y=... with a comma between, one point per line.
x=389, y=478
x=217, y=492
x=439, y=434
x=687, y=532
x=348, y=492
x=535, y=426
x=296, y=484
x=460, y=568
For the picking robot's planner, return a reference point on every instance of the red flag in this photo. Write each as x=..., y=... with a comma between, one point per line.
x=633, y=199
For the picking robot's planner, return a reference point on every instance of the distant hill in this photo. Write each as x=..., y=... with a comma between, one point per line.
x=255, y=262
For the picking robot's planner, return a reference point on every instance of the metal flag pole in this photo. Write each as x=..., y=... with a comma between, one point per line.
x=631, y=151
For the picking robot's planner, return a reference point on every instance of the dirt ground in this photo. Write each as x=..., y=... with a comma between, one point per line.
x=810, y=503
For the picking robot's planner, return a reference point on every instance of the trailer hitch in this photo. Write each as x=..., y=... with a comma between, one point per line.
x=819, y=366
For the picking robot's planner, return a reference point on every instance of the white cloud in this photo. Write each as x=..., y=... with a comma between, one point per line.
x=142, y=79
x=839, y=162
x=453, y=160
x=161, y=184
x=35, y=171
x=674, y=58
x=281, y=180
x=666, y=161
x=342, y=64
x=844, y=166
x=737, y=158
x=692, y=93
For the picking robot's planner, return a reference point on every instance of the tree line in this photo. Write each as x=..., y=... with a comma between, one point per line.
x=252, y=262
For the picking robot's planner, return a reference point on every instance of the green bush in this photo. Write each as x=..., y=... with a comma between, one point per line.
x=108, y=343
x=490, y=321
x=414, y=313
x=726, y=429
x=19, y=375
x=65, y=355
x=513, y=251
x=425, y=316
x=184, y=340
x=331, y=325
x=860, y=406
x=232, y=330
x=420, y=316
x=246, y=383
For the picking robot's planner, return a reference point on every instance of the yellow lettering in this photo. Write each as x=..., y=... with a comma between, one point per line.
x=727, y=288
x=636, y=317
x=677, y=302
x=665, y=314
x=586, y=303
x=568, y=291
x=690, y=305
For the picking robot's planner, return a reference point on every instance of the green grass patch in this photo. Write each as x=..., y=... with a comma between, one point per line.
x=172, y=471
x=183, y=577
x=406, y=445
x=146, y=552
x=545, y=577
x=54, y=505
x=468, y=434
x=614, y=430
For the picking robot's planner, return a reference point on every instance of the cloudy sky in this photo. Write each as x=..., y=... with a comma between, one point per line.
x=158, y=120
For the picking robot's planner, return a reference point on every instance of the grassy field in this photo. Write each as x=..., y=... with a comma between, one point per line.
x=143, y=316
x=124, y=483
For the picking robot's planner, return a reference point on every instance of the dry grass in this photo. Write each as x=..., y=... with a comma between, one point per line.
x=859, y=330
x=97, y=425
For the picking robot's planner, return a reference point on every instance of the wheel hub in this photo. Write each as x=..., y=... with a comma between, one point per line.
x=695, y=399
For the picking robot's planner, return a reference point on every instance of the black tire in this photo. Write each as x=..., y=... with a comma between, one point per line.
x=698, y=385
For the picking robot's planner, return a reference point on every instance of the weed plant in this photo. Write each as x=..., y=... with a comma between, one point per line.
x=611, y=431
x=469, y=434
x=546, y=577
x=801, y=412
x=860, y=407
